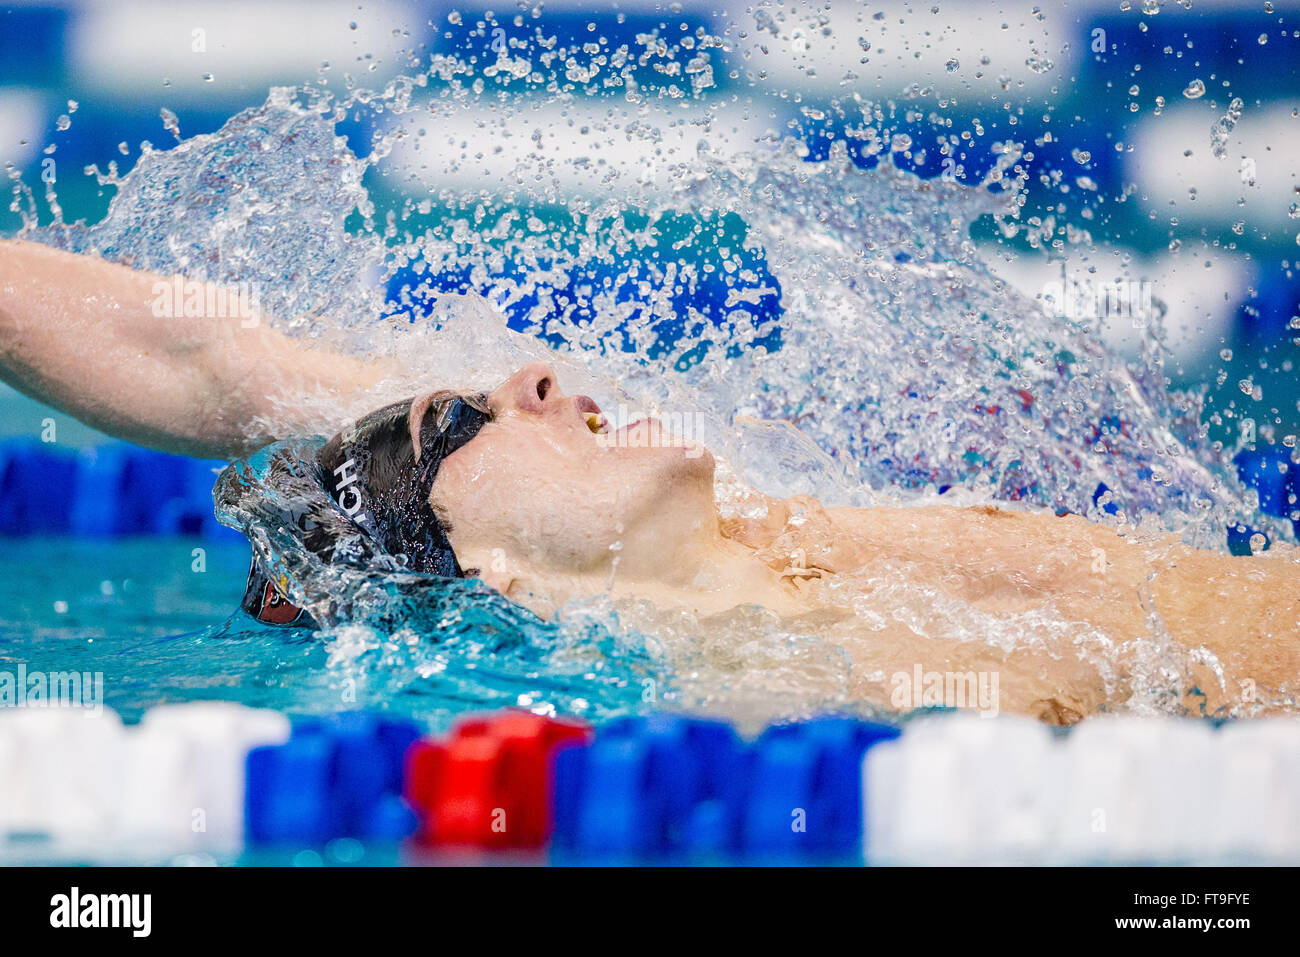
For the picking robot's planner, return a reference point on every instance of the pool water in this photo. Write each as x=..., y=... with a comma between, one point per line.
x=160, y=631
x=138, y=611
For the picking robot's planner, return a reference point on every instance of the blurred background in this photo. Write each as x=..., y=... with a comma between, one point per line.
x=1167, y=131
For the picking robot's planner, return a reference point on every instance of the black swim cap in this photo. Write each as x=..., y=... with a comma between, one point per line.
x=380, y=472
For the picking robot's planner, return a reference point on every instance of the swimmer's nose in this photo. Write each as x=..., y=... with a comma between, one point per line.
x=533, y=388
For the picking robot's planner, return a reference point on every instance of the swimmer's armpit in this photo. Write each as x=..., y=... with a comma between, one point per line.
x=98, y=341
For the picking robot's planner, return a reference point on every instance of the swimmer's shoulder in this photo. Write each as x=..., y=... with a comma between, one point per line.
x=953, y=524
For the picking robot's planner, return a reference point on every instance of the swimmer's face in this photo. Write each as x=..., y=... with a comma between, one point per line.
x=538, y=491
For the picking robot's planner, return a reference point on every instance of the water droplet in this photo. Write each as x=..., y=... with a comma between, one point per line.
x=1225, y=355
x=1082, y=157
x=63, y=122
x=1195, y=90
x=207, y=78
x=1133, y=90
x=1294, y=211
x=1263, y=38
x=952, y=64
x=171, y=122
x=1150, y=7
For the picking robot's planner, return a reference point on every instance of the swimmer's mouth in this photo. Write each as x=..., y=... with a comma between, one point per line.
x=591, y=415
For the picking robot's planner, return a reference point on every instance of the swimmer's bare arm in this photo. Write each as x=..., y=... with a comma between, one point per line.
x=81, y=334
x=1244, y=610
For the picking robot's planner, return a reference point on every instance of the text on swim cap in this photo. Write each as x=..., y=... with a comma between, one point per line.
x=347, y=477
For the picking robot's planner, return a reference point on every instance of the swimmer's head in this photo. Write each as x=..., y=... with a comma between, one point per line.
x=522, y=485
x=545, y=490
x=380, y=470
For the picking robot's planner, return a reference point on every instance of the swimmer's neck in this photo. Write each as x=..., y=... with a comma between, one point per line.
x=708, y=574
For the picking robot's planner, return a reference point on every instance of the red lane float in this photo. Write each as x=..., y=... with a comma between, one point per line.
x=488, y=785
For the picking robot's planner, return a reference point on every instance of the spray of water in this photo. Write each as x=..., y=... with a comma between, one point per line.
x=669, y=253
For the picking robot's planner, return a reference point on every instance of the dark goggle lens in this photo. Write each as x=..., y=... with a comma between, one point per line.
x=458, y=419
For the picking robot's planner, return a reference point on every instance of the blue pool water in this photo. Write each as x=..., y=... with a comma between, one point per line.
x=135, y=610
x=160, y=632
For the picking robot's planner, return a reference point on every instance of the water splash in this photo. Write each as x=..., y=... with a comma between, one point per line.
x=654, y=256
x=1221, y=131
x=263, y=201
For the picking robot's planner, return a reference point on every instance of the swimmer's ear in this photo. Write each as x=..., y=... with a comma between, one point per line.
x=496, y=580
x=415, y=419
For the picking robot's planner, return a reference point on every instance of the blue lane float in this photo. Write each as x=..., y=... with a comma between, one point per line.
x=35, y=490
x=105, y=491
x=668, y=786
x=1221, y=40
x=33, y=46
x=1270, y=471
x=814, y=767
x=1274, y=476
x=651, y=786
x=335, y=777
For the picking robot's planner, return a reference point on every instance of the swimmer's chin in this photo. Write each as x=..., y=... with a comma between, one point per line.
x=682, y=460
x=700, y=454
x=648, y=436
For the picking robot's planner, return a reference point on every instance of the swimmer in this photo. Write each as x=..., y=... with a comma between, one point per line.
x=525, y=488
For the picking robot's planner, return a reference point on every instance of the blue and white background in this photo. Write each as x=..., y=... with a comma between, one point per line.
x=83, y=83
